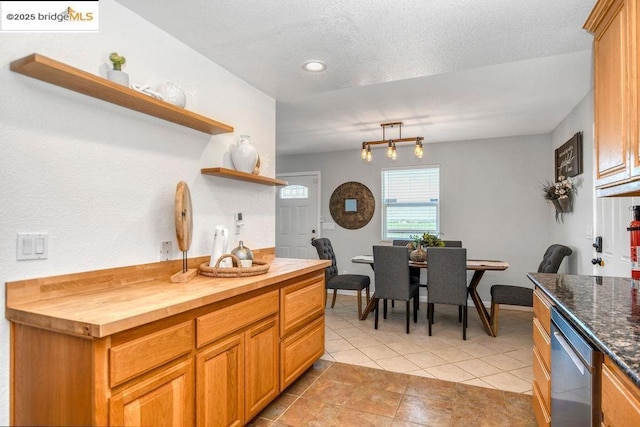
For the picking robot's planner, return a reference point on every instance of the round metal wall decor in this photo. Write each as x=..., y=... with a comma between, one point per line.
x=352, y=205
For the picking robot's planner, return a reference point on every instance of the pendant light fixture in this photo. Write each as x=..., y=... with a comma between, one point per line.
x=391, y=143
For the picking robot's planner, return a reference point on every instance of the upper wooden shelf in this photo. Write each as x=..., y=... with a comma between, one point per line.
x=242, y=176
x=54, y=72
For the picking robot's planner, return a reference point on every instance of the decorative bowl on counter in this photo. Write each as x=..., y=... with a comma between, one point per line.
x=258, y=267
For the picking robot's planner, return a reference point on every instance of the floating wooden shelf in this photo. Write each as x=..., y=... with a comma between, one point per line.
x=54, y=72
x=242, y=176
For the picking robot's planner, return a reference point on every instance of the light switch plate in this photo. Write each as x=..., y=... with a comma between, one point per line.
x=32, y=246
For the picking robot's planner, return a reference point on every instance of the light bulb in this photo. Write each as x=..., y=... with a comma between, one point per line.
x=389, y=150
x=363, y=154
x=369, y=157
x=394, y=155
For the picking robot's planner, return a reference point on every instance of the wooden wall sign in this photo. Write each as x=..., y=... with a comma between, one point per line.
x=569, y=157
x=352, y=205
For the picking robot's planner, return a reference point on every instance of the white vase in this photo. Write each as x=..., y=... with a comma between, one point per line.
x=119, y=77
x=244, y=155
x=172, y=93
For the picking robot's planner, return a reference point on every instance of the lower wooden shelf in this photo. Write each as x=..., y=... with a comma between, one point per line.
x=242, y=176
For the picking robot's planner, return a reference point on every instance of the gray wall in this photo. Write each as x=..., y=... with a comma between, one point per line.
x=576, y=229
x=490, y=199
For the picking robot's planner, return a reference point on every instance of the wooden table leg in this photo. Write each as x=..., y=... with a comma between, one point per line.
x=482, y=311
x=370, y=306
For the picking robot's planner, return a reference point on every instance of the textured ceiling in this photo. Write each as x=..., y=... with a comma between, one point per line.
x=450, y=70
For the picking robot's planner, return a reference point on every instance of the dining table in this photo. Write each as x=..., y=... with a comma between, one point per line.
x=478, y=266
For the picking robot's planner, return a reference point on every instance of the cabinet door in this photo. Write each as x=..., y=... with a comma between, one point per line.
x=620, y=404
x=261, y=366
x=611, y=97
x=164, y=399
x=220, y=384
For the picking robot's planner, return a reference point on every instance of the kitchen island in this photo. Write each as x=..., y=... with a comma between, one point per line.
x=125, y=346
x=606, y=311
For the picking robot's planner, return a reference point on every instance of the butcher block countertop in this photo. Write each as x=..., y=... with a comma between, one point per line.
x=100, y=303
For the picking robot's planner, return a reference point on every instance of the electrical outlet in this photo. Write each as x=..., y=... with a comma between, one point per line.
x=165, y=251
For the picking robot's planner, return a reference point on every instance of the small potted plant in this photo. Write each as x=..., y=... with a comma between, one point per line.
x=420, y=242
x=117, y=75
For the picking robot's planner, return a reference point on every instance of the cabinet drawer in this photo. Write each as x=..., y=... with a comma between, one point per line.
x=299, y=351
x=542, y=416
x=219, y=323
x=542, y=379
x=300, y=303
x=542, y=341
x=619, y=406
x=542, y=310
x=143, y=354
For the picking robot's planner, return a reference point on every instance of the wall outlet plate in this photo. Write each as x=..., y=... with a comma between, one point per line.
x=165, y=251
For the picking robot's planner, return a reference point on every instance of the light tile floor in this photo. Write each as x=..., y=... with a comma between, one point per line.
x=503, y=362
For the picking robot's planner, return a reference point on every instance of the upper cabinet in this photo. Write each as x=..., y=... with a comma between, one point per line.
x=54, y=72
x=614, y=24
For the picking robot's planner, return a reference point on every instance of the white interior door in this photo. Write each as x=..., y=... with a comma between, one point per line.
x=613, y=218
x=297, y=215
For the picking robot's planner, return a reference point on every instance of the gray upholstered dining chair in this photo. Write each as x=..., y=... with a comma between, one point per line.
x=447, y=281
x=335, y=281
x=519, y=295
x=392, y=279
x=414, y=272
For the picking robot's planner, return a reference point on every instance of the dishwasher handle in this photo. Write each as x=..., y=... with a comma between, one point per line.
x=572, y=354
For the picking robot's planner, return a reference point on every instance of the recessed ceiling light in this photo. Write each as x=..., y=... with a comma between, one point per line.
x=314, y=66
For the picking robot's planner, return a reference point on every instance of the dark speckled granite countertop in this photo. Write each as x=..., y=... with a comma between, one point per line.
x=605, y=309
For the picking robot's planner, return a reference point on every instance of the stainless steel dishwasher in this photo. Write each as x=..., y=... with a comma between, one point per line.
x=575, y=377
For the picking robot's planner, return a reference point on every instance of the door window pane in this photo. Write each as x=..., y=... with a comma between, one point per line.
x=294, y=192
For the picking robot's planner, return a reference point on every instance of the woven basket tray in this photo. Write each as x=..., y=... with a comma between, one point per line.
x=258, y=267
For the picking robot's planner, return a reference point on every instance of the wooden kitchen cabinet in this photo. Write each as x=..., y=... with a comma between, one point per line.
x=238, y=377
x=301, y=327
x=165, y=399
x=245, y=355
x=261, y=366
x=620, y=397
x=215, y=364
x=220, y=384
x=541, y=387
x=614, y=24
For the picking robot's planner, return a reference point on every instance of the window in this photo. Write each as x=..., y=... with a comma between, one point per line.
x=294, y=192
x=410, y=202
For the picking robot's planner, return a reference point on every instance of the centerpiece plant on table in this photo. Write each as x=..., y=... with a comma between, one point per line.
x=422, y=241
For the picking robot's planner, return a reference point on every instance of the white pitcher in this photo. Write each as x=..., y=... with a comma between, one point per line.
x=220, y=247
